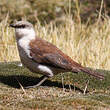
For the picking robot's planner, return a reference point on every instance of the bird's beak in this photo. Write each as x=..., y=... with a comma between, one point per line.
x=12, y=25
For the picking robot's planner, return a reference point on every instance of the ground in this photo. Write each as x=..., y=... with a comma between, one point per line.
x=62, y=92
x=81, y=29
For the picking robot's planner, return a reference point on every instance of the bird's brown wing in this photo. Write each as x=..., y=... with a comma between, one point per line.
x=46, y=53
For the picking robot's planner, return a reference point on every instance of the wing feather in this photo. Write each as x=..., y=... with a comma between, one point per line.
x=46, y=53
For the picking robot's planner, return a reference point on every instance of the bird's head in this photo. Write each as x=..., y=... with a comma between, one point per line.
x=23, y=29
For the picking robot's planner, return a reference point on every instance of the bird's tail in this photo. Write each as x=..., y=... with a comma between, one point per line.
x=92, y=72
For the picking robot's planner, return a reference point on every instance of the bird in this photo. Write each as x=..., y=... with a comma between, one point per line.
x=42, y=57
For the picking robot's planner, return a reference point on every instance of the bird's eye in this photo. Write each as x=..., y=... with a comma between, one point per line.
x=23, y=26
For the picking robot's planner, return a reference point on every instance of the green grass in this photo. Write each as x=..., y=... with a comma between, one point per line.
x=51, y=95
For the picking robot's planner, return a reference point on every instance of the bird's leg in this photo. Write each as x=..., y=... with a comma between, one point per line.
x=43, y=78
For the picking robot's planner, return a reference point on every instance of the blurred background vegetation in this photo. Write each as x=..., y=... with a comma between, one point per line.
x=48, y=10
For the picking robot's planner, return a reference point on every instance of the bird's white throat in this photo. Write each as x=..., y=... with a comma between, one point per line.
x=29, y=33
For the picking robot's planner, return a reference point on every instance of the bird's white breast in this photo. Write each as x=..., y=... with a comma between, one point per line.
x=23, y=46
x=24, y=37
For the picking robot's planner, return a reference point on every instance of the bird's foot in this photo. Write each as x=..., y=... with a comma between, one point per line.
x=43, y=78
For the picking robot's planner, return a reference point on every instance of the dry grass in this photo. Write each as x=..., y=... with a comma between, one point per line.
x=86, y=44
